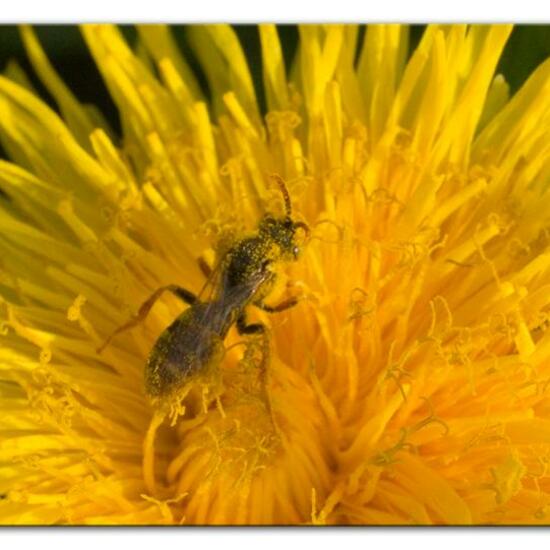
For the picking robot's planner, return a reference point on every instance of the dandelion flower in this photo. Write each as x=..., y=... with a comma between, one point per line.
x=411, y=383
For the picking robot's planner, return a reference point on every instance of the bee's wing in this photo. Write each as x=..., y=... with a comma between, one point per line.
x=229, y=300
x=216, y=296
x=213, y=284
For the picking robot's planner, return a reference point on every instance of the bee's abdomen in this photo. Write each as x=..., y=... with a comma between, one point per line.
x=186, y=348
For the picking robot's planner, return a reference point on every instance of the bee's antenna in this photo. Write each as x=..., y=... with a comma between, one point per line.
x=284, y=191
x=304, y=226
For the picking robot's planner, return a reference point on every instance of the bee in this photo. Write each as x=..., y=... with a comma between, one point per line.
x=193, y=344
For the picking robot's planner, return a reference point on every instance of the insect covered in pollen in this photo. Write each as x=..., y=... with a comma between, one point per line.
x=192, y=345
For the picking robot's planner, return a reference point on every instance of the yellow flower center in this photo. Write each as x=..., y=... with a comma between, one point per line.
x=410, y=382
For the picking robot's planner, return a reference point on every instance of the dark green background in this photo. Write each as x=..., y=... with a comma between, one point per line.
x=528, y=46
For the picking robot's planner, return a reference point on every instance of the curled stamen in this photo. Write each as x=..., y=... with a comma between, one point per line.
x=383, y=196
x=429, y=420
x=387, y=456
x=339, y=229
x=357, y=305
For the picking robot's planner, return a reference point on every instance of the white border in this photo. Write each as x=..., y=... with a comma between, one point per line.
x=273, y=539
x=283, y=11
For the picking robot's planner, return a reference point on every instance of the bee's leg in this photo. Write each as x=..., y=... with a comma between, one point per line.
x=182, y=293
x=253, y=328
x=204, y=267
x=286, y=304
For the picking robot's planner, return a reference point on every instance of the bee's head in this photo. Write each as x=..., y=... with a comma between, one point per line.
x=282, y=231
